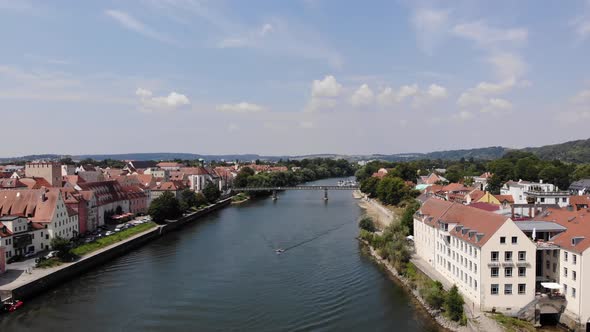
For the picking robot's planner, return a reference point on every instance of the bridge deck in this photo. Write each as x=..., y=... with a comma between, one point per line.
x=298, y=188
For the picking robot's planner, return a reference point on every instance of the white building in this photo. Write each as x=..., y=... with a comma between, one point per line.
x=486, y=255
x=525, y=192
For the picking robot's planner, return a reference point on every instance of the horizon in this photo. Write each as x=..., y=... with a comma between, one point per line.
x=292, y=78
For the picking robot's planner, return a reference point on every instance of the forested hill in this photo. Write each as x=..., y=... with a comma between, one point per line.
x=572, y=151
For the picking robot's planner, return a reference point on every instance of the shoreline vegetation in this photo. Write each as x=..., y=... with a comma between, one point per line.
x=389, y=249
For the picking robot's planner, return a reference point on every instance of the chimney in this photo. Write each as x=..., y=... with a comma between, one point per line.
x=570, y=208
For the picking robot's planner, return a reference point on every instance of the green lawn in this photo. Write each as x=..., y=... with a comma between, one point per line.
x=47, y=263
x=108, y=240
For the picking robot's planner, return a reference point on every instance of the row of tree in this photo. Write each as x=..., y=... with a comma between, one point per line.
x=514, y=165
x=167, y=206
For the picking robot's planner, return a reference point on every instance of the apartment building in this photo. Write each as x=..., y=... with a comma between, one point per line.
x=486, y=255
x=526, y=192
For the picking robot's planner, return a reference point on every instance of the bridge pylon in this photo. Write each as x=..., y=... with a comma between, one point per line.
x=274, y=195
x=325, y=194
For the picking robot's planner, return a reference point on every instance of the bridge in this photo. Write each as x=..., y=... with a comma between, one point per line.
x=275, y=189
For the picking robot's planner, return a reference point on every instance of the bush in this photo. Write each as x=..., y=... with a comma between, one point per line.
x=165, y=207
x=434, y=295
x=367, y=224
x=454, y=304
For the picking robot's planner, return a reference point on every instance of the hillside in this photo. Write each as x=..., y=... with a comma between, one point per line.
x=572, y=151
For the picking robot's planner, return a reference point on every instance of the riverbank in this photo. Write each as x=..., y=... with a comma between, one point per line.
x=21, y=284
x=382, y=217
x=476, y=320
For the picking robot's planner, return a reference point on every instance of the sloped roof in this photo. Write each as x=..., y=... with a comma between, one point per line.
x=482, y=222
x=505, y=198
x=577, y=224
x=9, y=183
x=38, y=205
x=580, y=184
x=580, y=200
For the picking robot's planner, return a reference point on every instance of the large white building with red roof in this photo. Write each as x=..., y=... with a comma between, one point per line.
x=486, y=255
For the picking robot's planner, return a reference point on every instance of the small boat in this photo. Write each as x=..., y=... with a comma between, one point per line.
x=279, y=251
x=11, y=306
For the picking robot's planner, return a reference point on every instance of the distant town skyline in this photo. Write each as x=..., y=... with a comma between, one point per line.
x=291, y=77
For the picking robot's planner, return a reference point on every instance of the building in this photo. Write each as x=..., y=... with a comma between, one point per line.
x=431, y=179
x=525, y=192
x=380, y=174
x=170, y=166
x=173, y=187
x=19, y=236
x=580, y=187
x=139, y=166
x=580, y=202
x=109, y=199
x=45, y=208
x=138, y=199
x=485, y=254
x=199, y=177
x=46, y=170
x=11, y=184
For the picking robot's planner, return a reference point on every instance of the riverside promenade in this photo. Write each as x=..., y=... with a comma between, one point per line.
x=20, y=284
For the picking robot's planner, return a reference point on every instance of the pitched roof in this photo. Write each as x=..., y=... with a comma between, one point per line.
x=476, y=194
x=194, y=171
x=577, y=224
x=38, y=205
x=580, y=200
x=104, y=191
x=169, y=186
x=169, y=164
x=580, y=184
x=9, y=183
x=483, y=223
x=485, y=206
x=505, y=198
x=453, y=187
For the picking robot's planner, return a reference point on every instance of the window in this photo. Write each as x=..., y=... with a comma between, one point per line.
x=574, y=259
x=474, y=268
x=574, y=276
x=494, y=289
x=475, y=284
x=547, y=265
x=564, y=289
x=514, y=240
x=521, y=289
x=565, y=256
x=508, y=256
x=573, y=292
x=565, y=271
x=522, y=256
x=555, y=253
x=495, y=255
x=507, y=289
x=502, y=240
x=554, y=267
x=522, y=271
x=508, y=272
x=494, y=272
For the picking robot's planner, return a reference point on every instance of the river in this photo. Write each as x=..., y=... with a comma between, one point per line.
x=222, y=274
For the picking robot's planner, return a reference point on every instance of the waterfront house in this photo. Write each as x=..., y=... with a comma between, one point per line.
x=109, y=197
x=526, y=192
x=138, y=199
x=171, y=186
x=485, y=254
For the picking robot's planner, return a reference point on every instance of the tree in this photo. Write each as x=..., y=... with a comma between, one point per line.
x=241, y=179
x=454, y=304
x=201, y=199
x=369, y=186
x=392, y=190
x=211, y=192
x=63, y=248
x=165, y=207
x=407, y=219
x=434, y=295
x=367, y=224
x=494, y=184
x=188, y=199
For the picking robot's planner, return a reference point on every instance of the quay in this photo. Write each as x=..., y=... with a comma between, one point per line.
x=23, y=285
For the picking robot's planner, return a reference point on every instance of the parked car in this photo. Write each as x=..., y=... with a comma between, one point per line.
x=109, y=233
x=15, y=258
x=52, y=254
x=117, y=229
x=29, y=254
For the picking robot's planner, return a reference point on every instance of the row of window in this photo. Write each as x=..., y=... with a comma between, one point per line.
x=574, y=274
x=495, y=271
x=495, y=255
x=457, y=272
x=574, y=257
x=495, y=289
x=573, y=290
x=503, y=240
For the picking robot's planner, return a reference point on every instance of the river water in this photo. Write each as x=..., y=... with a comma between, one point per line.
x=222, y=274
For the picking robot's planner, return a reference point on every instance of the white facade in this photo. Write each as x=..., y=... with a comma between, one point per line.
x=500, y=274
x=525, y=192
x=62, y=224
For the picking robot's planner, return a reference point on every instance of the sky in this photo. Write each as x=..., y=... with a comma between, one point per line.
x=291, y=77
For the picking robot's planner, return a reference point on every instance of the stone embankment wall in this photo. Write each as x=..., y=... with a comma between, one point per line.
x=103, y=256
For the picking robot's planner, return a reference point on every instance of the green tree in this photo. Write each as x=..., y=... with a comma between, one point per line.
x=494, y=184
x=454, y=304
x=367, y=224
x=211, y=192
x=581, y=172
x=241, y=179
x=166, y=206
x=369, y=186
x=200, y=199
x=188, y=199
x=407, y=219
x=63, y=248
x=392, y=190
x=434, y=295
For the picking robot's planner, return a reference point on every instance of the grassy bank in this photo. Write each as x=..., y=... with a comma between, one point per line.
x=512, y=324
x=111, y=239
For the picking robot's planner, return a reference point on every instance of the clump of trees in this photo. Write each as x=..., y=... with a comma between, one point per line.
x=211, y=192
x=366, y=223
x=165, y=207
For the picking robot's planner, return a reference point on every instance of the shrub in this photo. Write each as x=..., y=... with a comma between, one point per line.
x=367, y=224
x=434, y=295
x=454, y=304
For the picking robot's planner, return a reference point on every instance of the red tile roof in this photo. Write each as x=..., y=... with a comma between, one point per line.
x=577, y=224
x=580, y=200
x=484, y=223
x=37, y=205
x=485, y=206
x=505, y=198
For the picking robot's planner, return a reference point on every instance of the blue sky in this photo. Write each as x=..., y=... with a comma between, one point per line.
x=292, y=76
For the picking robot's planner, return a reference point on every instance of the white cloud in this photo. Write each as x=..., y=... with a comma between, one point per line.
x=131, y=23
x=508, y=65
x=482, y=97
x=149, y=103
x=437, y=91
x=328, y=87
x=485, y=35
x=582, y=97
x=407, y=91
x=242, y=107
x=266, y=29
x=431, y=27
x=362, y=97
x=318, y=104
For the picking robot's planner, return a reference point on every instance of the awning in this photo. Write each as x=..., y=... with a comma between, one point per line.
x=551, y=285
